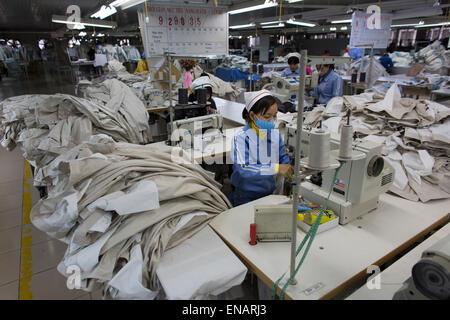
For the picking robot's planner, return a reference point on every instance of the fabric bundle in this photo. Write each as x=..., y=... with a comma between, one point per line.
x=401, y=59
x=46, y=126
x=414, y=134
x=434, y=56
x=119, y=206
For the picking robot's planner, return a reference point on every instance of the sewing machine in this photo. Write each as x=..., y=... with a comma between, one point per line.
x=359, y=183
x=286, y=89
x=430, y=278
x=198, y=131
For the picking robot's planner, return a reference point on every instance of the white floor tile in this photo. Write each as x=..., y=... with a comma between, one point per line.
x=9, y=266
x=46, y=255
x=10, y=291
x=10, y=239
x=10, y=219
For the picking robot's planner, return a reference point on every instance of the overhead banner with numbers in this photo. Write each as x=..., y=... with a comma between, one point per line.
x=184, y=30
x=370, y=28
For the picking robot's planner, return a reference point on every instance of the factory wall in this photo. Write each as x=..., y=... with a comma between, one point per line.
x=318, y=46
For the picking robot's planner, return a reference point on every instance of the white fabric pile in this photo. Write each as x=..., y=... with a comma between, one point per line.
x=45, y=126
x=119, y=207
x=415, y=134
x=220, y=88
x=237, y=62
x=401, y=59
x=434, y=57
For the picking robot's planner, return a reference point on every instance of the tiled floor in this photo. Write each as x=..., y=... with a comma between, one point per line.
x=28, y=257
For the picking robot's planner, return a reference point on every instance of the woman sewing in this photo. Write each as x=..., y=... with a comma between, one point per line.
x=330, y=84
x=203, y=82
x=258, y=150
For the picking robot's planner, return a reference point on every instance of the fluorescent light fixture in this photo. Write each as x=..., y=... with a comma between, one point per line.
x=100, y=35
x=332, y=29
x=78, y=27
x=253, y=8
x=433, y=25
x=84, y=22
x=104, y=12
x=82, y=34
x=299, y=23
x=241, y=26
x=271, y=22
x=343, y=28
x=125, y=4
x=280, y=25
x=342, y=21
x=406, y=25
x=292, y=1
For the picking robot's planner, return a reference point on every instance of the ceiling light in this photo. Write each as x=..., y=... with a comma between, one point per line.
x=242, y=26
x=125, y=4
x=84, y=22
x=299, y=23
x=280, y=25
x=82, y=34
x=342, y=21
x=100, y=35
x=271, y=22
x=78, y=27
x=332, y=29
x=292, y=1
x=343, y=28
x=253, y=8
x=433, y=25
x=406, y=25
x=104, y=12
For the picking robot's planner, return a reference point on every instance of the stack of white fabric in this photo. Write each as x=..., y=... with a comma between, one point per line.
x=120, y=206
x=45, y=126
x=237, y=62
x=401, y=59
x=434, y=57
x=414, y=134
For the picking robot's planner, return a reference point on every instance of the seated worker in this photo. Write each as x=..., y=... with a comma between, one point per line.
x=258, y=150
x=330, y=84
x=294, y=68
x=190, y=112
x=387, y=62
x=142, y=65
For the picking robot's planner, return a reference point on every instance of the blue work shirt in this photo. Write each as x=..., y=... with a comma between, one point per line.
x=355, y=53
x=254, y=161
x=329, y=87
x=288, y=73
x=387, y=62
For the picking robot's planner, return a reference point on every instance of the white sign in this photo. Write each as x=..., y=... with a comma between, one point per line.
x=185, y=30
x=370, y=28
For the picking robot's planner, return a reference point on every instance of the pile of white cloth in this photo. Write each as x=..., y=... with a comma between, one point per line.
x=45, y=126
x=119, y=207
x=415, y=135
x=363, y=65
x=401, y=59
x=220, y=88
x=434, y=57
x=237, y=62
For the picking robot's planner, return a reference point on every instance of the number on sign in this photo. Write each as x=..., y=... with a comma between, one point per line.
x=191, y=21
x=198, y=21
x=161, y=20
x=182, y=21
x=175, y=20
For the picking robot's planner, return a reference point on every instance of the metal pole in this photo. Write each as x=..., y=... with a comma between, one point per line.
x=168, y=58
x=369, y=78
x=251, y=68
x=297, y=175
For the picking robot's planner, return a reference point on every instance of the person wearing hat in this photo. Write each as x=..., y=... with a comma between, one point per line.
x=293, y=60
x=258, y=150
x=330, y=84
x=203, y=82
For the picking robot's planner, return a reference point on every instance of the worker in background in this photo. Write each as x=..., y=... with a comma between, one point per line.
x=387, y=62
x=203, y=82
x=142, y=65
x=330, y=84
x=258, y=150
x=293, y=60
x=327, y=53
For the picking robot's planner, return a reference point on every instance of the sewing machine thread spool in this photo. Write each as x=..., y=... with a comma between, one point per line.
x=183, y=96
x=345, y=147
x=319, y=149
x=201, y=95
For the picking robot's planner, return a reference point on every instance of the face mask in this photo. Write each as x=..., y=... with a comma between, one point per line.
x=265, y=125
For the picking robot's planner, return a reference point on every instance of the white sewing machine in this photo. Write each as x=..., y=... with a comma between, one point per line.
x=286, y=89
x=359, y=183
x=190, y=133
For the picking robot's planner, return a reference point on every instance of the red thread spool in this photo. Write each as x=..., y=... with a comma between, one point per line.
x=252, y=234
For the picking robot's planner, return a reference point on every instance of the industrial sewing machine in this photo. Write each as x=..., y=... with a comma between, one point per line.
x=430, y=278
x=197, y=132
x=359, y=183
x=286, y=89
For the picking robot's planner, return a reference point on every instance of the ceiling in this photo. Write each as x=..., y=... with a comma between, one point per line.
x=32, y=16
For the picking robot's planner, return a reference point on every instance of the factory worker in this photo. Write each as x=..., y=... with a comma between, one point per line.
x=293, y=60
x=330, y=84
x=258, y=150
x=203, y=82
x=142, y=65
